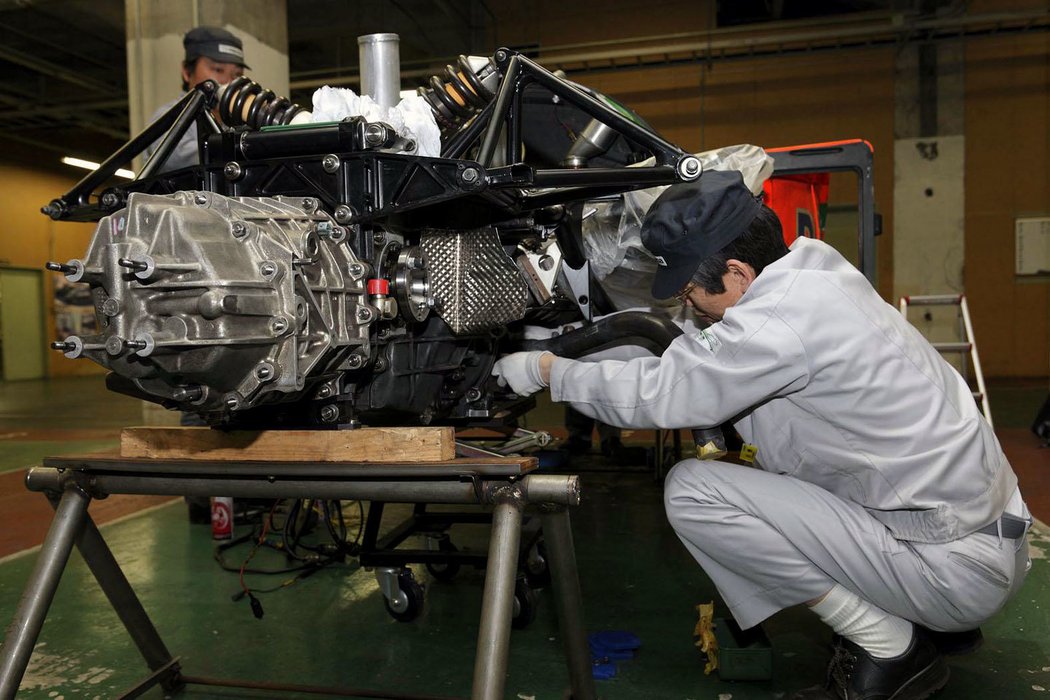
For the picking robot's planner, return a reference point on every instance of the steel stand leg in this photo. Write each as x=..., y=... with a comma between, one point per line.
x=40, y=589
x=114, y=584
x=497, y=606
x=557, y=534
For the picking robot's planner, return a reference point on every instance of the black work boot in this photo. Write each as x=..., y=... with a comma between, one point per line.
x=955, y=643
x=854, y=674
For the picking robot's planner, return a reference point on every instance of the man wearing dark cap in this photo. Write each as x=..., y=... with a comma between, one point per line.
x=881, y=499
x=212, y=53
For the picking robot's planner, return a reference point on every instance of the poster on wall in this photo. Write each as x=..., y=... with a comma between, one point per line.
x=74, y=309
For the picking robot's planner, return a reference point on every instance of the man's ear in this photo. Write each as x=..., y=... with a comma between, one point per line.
x=740, y=273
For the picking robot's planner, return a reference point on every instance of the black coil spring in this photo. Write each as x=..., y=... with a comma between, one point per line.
x=457, y=97
x=266, y=108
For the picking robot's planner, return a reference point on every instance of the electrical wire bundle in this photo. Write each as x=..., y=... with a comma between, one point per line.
x=293, y=527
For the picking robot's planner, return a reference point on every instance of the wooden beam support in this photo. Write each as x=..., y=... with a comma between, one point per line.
x=361, y=445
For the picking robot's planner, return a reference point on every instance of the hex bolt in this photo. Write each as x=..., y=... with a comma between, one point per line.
x=239, y=229
x=110, y=200
x=473, y=394
x=309, y=204
x=200, y=198
x=268, y=269
x=355, y=361
x=379, y=237
x=364, y=314
x=324, y=392
x=111, y=307
x=356, y=270
x=501, y=56
x=114, y=345
x=232, y=402
x=343, y=214
x=232, y=171
x=329, y=414
x=469, y=175
x=263, y=372
x=330, y=163
x=689, y=167
x=279, y=325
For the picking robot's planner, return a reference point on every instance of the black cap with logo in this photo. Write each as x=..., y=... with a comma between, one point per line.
x=691, y=221
x=214, y=43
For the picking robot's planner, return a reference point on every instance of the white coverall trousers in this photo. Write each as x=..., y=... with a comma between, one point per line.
x=770, y=541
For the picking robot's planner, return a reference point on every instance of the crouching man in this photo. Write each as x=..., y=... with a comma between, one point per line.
x=882, y=499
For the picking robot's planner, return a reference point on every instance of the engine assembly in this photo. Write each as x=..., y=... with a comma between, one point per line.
x=326, y=273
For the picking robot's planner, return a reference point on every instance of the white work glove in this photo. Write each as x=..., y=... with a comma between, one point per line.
x=521, y=372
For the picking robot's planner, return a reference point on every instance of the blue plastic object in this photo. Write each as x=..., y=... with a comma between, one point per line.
x=603, y=671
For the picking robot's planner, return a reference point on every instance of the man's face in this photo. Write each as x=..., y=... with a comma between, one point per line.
x=712, y=307
x=207, y=69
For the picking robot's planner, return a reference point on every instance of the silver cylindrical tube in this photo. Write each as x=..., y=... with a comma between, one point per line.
x=380, y=61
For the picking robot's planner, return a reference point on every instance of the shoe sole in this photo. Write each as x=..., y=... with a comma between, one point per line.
x=924, y=683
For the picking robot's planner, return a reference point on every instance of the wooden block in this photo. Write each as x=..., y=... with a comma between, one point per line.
x=361, y=445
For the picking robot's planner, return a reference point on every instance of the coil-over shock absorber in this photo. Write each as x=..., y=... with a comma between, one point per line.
x=463, y=92
x=245, y=102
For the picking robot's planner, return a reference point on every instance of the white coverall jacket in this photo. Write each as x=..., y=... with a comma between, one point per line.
x=836, y=390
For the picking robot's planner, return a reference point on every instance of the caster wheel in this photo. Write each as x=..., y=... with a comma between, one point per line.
x=412, y=606
x=524, y=604
x=445, y=571
x=537, y=569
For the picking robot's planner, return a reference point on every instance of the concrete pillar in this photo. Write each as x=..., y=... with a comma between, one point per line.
x=929, y=182
x=154, y=35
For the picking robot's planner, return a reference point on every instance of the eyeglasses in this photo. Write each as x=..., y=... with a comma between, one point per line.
x=683, y=295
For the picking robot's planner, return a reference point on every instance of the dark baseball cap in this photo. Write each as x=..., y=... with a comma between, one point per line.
x=214, y=43
x=690, y=221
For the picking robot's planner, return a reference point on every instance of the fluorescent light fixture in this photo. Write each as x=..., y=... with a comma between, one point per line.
x=89, y=165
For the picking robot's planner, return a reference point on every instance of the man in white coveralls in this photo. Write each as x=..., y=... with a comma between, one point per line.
x=882, y=499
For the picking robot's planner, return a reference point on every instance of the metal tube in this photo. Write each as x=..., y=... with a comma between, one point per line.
x=129, y=609
x=497, y=605
x=187, y=117
x=380, y=59
x=550, y=488
x=40, y=589
x=557, y=534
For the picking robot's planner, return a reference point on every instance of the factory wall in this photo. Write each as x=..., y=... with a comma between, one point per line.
x=29, y=239
x=824, y=96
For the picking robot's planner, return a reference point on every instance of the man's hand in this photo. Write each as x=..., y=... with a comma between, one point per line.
x=524, y=372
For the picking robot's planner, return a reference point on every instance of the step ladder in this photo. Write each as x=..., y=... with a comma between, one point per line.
x=966, y=343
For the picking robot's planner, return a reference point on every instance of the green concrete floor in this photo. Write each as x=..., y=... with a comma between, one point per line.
x=332, y=628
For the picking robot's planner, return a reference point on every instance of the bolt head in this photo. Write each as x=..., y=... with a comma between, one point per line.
x=111, y=307
x=469, y=175
x=279, y=325
x=343, y=213
x=329, y=414
x=264, y=372
x=330, y=163
x=268, y=269
x=239, y=229
x=309, y=204
x=110, y=200
x=200, y=198
x=364, y=314
x=324, y=392
x=232, y=170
